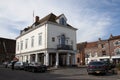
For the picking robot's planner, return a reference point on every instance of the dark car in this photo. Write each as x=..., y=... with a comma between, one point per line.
x=109, y=65
x=97, y=67
x=35, y=67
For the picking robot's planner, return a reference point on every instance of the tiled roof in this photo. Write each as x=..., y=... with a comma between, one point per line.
x=114, y=37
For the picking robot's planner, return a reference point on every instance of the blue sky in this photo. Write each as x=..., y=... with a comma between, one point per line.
x=93, y=18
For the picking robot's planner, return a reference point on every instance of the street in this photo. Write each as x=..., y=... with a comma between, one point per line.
x=59, y=74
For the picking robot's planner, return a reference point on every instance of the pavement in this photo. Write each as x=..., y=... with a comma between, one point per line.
x=1, y=66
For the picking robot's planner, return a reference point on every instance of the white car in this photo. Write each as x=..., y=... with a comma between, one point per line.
x=9, y=65
x=5, y=64
x=19, y=65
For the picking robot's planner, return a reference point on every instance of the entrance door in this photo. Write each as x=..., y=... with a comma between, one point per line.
x=62, y=59
x=41, y=58
x=52, y=59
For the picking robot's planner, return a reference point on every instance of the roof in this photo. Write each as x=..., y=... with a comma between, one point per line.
x=114, y=37
x=51, y=18
x=7, y=45
x=1, y=38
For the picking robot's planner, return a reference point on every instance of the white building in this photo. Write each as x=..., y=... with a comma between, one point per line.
x=50, y=40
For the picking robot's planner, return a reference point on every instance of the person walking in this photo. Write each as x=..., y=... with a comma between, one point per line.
x=13, y=63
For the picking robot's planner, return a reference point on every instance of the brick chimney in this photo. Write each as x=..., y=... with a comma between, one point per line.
x=36, y=18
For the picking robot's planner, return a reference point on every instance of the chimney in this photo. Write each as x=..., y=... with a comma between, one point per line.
x=99, y=39
x=36, y=18
x=111, y=36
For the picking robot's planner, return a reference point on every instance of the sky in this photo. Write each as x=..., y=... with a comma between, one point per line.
x=93, y=18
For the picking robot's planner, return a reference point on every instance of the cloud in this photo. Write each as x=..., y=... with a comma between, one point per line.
x=92, y=30
x=92, y=18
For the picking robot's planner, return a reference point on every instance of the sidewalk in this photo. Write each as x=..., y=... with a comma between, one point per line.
x=1, y=66
x=54, y=68
x=82, y=66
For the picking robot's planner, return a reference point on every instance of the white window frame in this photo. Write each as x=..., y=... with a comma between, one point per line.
x=117, y=44
x=18, y=46
x=26, y=43
x=21, y=45
x=40, y=39
x=117, y=49
x=32, y=41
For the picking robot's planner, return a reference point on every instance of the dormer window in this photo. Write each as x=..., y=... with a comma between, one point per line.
x=117, y=43
x=62, y=21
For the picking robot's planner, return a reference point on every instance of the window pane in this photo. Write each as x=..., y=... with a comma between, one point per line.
x=32, y=41
x=40, y=39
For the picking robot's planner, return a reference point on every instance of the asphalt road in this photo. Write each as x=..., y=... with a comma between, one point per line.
x=60, y=74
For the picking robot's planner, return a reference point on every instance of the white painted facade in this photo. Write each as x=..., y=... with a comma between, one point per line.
x=44, y=48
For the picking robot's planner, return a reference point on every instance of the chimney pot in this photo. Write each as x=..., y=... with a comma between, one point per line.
x=99, y=39
x=36, y=18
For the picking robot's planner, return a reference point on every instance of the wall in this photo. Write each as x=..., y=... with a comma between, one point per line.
x=56, y=30
x=28, y=36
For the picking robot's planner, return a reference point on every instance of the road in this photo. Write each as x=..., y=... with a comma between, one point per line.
x=59, y=74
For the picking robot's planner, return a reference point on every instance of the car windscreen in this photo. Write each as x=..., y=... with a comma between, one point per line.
x=96, y=63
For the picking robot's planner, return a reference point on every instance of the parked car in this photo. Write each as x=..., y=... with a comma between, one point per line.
x=109, y=65
x=5, y=64
x=19, y=65
x=9, y=65
x=35, y=67
x=97, y=67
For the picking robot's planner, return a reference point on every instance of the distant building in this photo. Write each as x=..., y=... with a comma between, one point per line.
x=7, y=49
x=50, y=40
x=108, y=50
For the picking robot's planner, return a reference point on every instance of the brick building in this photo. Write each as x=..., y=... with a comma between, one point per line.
x=7, y=49
x=108, y=49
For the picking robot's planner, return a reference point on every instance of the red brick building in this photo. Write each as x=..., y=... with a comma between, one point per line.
x=108, y=49
x=7, y=49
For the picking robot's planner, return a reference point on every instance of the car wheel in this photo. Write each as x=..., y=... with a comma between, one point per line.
x=89, y=73
x=33, y=70
x=25, y=69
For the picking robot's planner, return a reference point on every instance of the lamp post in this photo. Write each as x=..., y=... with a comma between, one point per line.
x=109, y=50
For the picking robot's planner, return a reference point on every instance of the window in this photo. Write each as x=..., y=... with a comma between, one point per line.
x=53, y=39
x=21, y=45
x=63, y=39
x=67, y=42
x=32, y=41
x=103, y=53
x=59, y=41
x=117, y=43
x=18, y=46
x=102, y=45
x=40, y=39
x=87, y=55
x=26, y=43
x=117, y=51
x=62, y=21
